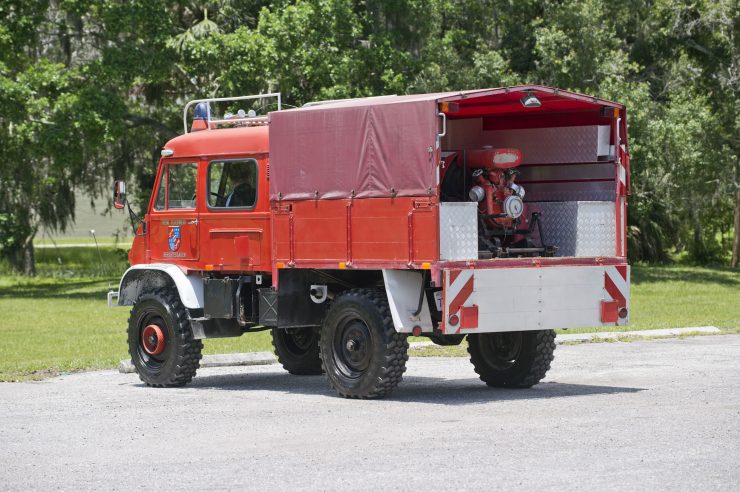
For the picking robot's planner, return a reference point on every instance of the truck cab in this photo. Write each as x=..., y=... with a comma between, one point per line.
x=210, y=210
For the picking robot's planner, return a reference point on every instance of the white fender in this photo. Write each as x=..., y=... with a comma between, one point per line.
x=402, y=288
x=190, y=287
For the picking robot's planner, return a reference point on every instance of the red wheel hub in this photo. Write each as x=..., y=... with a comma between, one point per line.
x=152, y=339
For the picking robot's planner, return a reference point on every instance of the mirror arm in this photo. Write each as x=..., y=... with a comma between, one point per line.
x=135, y=220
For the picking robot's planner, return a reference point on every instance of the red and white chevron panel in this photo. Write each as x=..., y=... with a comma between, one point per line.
x=617, y=287
x=459, y=285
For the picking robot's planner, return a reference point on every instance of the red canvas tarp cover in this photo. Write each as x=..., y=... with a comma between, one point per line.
x=370, y=147
x=378, y=147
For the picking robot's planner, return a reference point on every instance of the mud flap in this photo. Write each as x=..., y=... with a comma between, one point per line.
x=403, y=288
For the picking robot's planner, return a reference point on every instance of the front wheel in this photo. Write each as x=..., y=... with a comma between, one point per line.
x=517, y=359
x=160, y=340
x=361, y=352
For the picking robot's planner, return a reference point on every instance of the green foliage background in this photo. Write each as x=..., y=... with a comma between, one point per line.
x=91, y=89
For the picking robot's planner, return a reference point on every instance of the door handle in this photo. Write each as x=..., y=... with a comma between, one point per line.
x=194, y=222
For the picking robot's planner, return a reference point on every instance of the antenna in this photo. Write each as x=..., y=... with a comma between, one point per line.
x=100, y=255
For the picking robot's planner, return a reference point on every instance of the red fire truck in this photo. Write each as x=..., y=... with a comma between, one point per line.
x=343, y=227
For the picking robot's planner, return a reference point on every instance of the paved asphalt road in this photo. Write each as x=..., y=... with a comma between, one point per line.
x=650, y=415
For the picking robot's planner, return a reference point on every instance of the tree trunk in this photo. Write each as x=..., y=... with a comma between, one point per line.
x=29, y=258
x=23, y=260
x=697, y=249
x=736, y=241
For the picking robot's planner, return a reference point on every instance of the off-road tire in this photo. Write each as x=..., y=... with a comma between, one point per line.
x=362, y=317
x=297, y=350
x=499, y=362
x=177, y=364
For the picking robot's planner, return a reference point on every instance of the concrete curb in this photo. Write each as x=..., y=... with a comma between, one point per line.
x=219, y=360
x=266, y=358
x=607, y=335
x=420, y=345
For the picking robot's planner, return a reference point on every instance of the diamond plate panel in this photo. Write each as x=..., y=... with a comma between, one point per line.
x=578, y=228
x=554, y=145
x=596, y=232
x=583, y=191
x=567, y=172
x=558, y=225
x=458, y=231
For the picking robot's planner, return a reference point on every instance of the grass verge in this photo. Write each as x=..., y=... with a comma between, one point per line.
x=58, y=325
x=59, y=321
x=103, y=240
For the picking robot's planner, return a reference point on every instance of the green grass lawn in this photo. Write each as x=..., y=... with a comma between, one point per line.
x=46, y=242
x=58, y=325
x=60, y=322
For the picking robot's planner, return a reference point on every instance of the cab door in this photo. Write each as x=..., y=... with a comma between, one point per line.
x=173, y=221
x=235, y=222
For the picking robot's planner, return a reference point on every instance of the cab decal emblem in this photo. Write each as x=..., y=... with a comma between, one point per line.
x=174, y=238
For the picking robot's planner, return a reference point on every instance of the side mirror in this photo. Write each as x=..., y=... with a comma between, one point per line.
x=119, y=194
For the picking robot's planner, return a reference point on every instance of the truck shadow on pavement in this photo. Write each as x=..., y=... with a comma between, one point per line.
x=420, y=389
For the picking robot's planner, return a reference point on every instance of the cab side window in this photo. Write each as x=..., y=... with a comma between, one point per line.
x=177, y=187
x=232, y=184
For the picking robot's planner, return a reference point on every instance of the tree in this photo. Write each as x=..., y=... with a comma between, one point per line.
x=92, y=89
x=73, y=105
x=700, y=54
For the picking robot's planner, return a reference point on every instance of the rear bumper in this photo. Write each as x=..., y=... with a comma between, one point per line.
x=539, y=297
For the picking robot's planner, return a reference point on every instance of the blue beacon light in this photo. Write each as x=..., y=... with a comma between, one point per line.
x=201, y=111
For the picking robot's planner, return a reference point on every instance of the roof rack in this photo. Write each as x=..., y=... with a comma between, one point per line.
x=253, y=119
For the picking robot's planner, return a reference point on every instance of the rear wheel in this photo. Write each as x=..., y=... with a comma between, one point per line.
x=518, y=359
x=361, y=352
x=160, y=340
x=297, y=349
